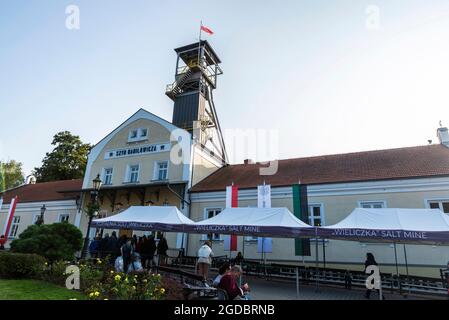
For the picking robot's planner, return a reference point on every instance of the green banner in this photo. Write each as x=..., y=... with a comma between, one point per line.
x=300, y=210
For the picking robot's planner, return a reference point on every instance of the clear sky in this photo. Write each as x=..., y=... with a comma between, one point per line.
x=321, y=73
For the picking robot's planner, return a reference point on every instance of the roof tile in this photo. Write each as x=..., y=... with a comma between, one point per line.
x=411, y=162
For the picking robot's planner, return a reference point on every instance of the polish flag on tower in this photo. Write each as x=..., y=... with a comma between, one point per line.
x=206, y=29
x=230, y=241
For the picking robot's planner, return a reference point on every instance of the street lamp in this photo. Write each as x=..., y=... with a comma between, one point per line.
x=92, y=211
x=96, y=183
x=40, y=220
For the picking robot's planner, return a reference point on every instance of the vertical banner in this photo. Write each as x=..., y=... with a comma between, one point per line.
x=264, y=245
x=230, y=241
x=264, y=196
x=301, y=211
x=6, y=228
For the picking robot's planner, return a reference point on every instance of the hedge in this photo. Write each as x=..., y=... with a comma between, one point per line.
x=21, y=265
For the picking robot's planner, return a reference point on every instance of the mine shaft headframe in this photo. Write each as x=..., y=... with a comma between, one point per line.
x=199, y=57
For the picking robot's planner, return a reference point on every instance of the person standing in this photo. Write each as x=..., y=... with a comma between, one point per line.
x=94, y=246
x=162, y=248
x=205, y=255
x=151, y=250
x=113, y=248
x=2, y=240
x=127, y=254
x=103, y=246
x=370, y=261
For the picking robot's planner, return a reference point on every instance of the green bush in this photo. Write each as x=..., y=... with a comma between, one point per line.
x=55, y=273
x=58, y=241
x=21, y=265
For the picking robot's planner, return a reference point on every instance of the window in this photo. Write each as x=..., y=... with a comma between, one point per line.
x=133, y=174
x=138, y=134
x=161, y=171
x=14, y=227
x=372, y=204
x=133, y=134
x=316, y=217
x=210, y=213
x=64, y=217
x=443, y=205
x=107, y=176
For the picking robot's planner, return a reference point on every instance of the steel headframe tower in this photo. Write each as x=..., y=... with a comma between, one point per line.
x=197, y=69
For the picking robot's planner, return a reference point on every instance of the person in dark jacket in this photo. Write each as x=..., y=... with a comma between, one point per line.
x=151, y=250
x=94, y=247
x=103, y=246
x=370, y=261
x=139, y=245
x=144, y=251
x=113, y=249
x=134, y=242
x=162, y=248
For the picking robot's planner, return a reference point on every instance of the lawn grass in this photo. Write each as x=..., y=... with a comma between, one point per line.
x=35, y=290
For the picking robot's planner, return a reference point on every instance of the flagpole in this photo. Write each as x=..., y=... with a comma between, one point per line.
x=199, y=42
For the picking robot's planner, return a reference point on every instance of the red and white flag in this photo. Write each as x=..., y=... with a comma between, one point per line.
x=230, y=241
x=207, y=30
x=9, y=218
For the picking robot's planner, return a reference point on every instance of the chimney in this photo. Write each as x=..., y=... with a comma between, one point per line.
x=248, y=161
x=443, y=136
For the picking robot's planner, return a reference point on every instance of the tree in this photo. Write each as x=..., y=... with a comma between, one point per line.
x=57, y=241
x=67, y=160
x=11, y=175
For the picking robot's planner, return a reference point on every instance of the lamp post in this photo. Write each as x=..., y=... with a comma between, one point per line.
x=40, y=220
x=92, y=211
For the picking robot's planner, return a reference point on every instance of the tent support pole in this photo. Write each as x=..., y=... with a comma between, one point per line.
x=406, y=265
x=324, y=254
x=297, y=283
x=397, y=268
x=316, y=265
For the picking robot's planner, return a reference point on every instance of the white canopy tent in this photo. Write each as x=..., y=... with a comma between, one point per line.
x=403, y=226
x=414, y=226
x=167, y=219
x=262, y=222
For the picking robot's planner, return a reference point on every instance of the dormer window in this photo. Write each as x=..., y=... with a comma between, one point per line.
x=133, y=134
x=138, y=134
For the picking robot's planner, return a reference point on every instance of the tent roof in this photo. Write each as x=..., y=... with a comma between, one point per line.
x=146, y=218
x=275, y=222
x=391, y=225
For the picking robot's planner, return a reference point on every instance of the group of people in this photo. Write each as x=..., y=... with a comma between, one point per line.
x=228, y=277
x=129, y=254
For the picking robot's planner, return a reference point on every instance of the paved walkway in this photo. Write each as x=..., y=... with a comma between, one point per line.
x=281, y=290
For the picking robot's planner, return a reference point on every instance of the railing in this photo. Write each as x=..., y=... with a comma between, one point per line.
x=410, y=284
